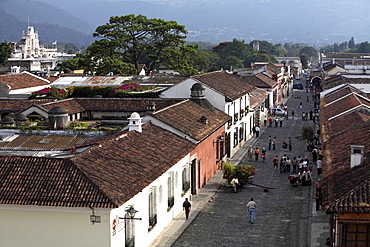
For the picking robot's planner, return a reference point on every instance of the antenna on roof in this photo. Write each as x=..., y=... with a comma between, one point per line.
x=28, y=23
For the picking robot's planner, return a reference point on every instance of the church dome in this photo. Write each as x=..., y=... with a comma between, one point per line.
x=135, y=115
x=20, y=117
x=58, y=110
x=7, y=120
x=197, y=86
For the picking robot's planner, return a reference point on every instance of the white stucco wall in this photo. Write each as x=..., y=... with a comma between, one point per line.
x=144, y=237
x=52, y=226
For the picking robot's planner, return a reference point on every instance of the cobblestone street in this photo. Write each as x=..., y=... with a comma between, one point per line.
x=284, y=214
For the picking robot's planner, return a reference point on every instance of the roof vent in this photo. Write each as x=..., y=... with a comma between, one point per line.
x=150, y=107
x=357, y=154
x=204, y=120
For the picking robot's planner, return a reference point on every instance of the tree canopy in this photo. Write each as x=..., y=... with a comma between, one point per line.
x=131, y=38
x=5, y=52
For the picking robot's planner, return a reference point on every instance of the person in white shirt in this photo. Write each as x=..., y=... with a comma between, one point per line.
x=251, y=207
x=318, y=165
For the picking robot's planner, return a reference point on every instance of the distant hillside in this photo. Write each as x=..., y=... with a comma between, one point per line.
x=314, y=22
x=41, y=12
x=11, y=29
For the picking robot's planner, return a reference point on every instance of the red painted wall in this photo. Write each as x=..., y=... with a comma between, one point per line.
x=206, y=153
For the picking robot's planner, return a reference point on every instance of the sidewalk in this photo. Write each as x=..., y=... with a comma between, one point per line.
x=178, y=225
x=318, y=223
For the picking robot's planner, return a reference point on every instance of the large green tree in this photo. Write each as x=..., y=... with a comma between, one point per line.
x=5, y=52
x=135, y=38
x=181, y=59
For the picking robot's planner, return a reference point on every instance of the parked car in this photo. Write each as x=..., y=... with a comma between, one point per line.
x=297, y=86
x=278, y=112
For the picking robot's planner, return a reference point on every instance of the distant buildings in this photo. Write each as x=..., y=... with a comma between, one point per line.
x=29, y=55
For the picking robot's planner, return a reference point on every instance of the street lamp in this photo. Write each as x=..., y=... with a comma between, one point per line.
x=131, y=213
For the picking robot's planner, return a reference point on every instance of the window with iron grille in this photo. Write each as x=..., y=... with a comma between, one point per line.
x=170, y=192
x=185, y=180
x=152, y=208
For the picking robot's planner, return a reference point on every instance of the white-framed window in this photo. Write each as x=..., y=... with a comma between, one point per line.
x=152, y=202
x=170, y=190
x=185, y=180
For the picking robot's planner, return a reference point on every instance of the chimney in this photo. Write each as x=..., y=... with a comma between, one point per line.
x=357, y=154
x=135, y=122
x=150, y=107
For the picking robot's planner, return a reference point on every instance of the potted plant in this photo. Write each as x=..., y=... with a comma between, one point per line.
x=228, y=169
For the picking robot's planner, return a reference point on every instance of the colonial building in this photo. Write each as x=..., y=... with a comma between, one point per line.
x=345, y=124
x=89, y=196
x=228, y=93
x=29, y=55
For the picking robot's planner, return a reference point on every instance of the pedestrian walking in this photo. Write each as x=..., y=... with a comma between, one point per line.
x=300, y=105
x=186, y=206
x=282, y=165
x=257, y=129
x=256, y=153
x=273, y=142
x=281, y=121
x=270, y=121
x=288, y=164
x=292, y=114
x=276, y=121
x=294, y=164
x=263, y=154
x=318, y=166
x=265, y=121
x=286, y=115
x=249, y=153
x=315, y=152
x=251, y=207
x=318, y=198
x=275, y=161
x=290, y=144
x=270, y=142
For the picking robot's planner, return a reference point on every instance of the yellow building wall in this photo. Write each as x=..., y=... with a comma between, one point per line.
x=57, y=229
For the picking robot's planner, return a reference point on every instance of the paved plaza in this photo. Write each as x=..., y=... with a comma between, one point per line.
x=285, y=215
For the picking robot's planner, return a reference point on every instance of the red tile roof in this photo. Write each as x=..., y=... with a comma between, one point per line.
x=260, y=80
x=342, y=123
x=47, y=182
x=342, y=105
x=339, y=93
x=23, y=80
x=348, y=191
x=124, y=104
x=186, y=115
x=14, y=105
x=257, y=97
x=337, y=151
x=232, y=86
x=123, y=167
x=71, y=105
x=105, y=176
x=44, y=142
x=337, y=80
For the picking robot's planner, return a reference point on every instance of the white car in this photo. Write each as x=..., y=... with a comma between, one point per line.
x=278, y=112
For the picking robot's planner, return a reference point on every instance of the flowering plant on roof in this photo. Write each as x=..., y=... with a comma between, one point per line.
x=51, y=92
x=133, y=87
